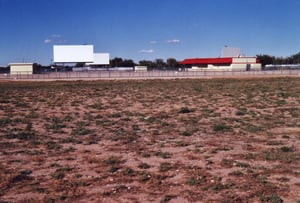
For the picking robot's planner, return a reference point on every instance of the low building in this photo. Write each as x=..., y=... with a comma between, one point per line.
x=21, y=68
x=222, y=64
x=140, y=68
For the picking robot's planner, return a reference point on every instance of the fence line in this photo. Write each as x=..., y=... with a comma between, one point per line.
x=148, y=74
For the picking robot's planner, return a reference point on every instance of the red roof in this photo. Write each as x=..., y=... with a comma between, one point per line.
x=195, y=61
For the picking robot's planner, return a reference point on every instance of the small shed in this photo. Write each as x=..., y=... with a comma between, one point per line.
x=21, y=68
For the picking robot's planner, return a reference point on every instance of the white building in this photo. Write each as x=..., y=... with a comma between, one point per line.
x=222, y=64
x=21, y=68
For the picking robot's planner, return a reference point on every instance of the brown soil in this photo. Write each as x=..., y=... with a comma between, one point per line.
x=187, y=140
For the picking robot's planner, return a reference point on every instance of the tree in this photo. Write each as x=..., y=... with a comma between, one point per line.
x=150, y=64
x=160, y=64
x=266, y=59
x=172, y=63
x=295, y=59
x=119, y=62
x=128, y=63
x=116, y=62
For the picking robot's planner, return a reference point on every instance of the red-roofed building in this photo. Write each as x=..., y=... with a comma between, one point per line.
x=222, y=63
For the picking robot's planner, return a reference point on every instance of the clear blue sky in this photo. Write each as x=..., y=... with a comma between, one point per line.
x=148, y=29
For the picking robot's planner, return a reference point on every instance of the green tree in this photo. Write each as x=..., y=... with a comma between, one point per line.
x=128, y=63
x=172, y=63
x=160, y=64
x=150, y=64
x=116, y=62
x=295, y=59
x=266, y=59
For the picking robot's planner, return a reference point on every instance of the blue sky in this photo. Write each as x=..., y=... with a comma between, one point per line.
x=148, y=29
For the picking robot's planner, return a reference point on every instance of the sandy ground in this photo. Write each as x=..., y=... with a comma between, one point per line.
x=188, y=140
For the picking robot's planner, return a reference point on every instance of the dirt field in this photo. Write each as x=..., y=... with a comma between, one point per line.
x=181, y=140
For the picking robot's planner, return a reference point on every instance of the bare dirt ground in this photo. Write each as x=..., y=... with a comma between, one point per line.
x=181, y=140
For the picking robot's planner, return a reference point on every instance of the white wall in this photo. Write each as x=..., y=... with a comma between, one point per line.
x=230, y=52
x=100, y=59
x=244, y=60
x=21, y=68
x=257, y=66
x=73, y=53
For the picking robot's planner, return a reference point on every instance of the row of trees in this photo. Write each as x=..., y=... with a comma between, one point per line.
x=159, y=64
x=267, y=59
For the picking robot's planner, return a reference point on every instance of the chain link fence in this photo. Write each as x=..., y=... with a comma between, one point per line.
x=85, y=75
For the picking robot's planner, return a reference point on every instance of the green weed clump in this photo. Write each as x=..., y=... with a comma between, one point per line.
x=221, y=127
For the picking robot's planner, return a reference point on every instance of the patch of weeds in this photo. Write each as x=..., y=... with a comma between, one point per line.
x=55, y=124
x=36, y=188
x=218, y=186
x=274, y=142
x=249, y=156
x=128, y=172
x=227, y=163
x=64, y=169
x=225, y=148
x=165, y=166
x=242, y=165
x=241, y=112
x=22, y=135
x=236, y=173
x=77, y=175
x=20, y=177
x=135, y=127
x=285, y=136
x=58, y=175
x=280, y=102
x=164, y=155
x=52, y=145
x=112, y=160
x=81, y=130
x=5, y=121
x=253, y=128
x=262, y=179
x=150, y=119
x=221, y=127
x=32, y=114
x=187, y=133
x=214, y=150
x=97, y=106
x=284, y=154
x=206, y=111
x=49, y=200
x=93, y=160
x=164, y=124
x=182, y=144
x=144, y=176
x=195, y=180
x=71, y=140
x=185, y=110
x=116, y=115
x=113, y=163
x=144, y=166
x=54, y=165
x=81, y=184
x=25, y=172
x=287, y=149
x=167, y=198
x=273, y=198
